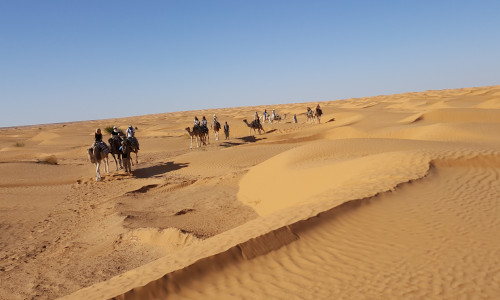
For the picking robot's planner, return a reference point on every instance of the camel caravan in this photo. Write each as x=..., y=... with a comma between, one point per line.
x=199, y=133
x=120, y=147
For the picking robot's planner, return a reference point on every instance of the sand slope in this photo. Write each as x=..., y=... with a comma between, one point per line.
x=389, y=197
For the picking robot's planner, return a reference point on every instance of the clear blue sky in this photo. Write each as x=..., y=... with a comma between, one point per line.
x=82, y=60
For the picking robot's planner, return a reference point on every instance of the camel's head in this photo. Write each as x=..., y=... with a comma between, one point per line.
x=245, y=120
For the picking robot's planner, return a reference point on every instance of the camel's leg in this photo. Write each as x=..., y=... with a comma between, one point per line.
x=116, y=162
x=106, y=164
x=97, y=171
x=137, y=157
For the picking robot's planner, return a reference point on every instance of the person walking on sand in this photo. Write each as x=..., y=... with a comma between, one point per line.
x=226, y=130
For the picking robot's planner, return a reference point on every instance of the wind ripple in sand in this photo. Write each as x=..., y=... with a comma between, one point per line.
x=440, y=248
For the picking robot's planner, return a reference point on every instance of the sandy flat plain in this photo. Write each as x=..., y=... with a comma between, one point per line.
x=389, y=197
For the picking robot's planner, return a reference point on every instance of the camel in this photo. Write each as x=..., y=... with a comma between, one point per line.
x=255, y=125
x=114, y=147
x=134, y=147
x=310, y=115
x=216, y=127
x=276, y=117
x=198, y=134
x=97, y=153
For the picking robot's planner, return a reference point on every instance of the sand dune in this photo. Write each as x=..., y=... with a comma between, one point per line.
x=389, y=197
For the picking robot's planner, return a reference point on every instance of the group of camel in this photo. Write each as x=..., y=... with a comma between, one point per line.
x=271, y=118
x=201, y=133
x=123, y=147
x=99, y=152
x=312, y=116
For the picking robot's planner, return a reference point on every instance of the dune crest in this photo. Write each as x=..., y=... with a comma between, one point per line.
x=312, y=173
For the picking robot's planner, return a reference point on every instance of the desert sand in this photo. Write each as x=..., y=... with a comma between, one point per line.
x=388, y=197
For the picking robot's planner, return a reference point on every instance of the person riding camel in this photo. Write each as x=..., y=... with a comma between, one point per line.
x=115, y=134
x=256, y=118
x=215, y=119
x=98, y=140
x=196, y=122
x=98, y=135
x=265, y=114
x=204, y=125
x=130, y=131
x=131, y=135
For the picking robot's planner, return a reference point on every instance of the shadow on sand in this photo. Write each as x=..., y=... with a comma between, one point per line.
x=244, y=140
x=158, y=169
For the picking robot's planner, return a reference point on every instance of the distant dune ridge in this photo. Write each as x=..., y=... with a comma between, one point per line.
x=389, y=197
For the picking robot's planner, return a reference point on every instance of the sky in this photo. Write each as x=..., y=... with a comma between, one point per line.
x=64, y=61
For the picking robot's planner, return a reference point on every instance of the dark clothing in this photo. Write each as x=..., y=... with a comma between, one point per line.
x=226, y=131
x=98, y=137
x=116, y=135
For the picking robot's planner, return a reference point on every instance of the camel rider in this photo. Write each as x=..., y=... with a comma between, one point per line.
x=98, y=139
x=131, y=135
x=256, y=118
x=273, y=114
x=204, y=125
x=98, y=135
x=265, y=114
x=215, y=119
x=130, y=131
x=115, y=134
x=196, y=123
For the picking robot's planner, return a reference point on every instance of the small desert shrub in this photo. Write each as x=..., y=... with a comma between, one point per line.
x=51, y=160
x=19, y=144
x=109, y=129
